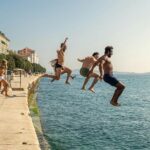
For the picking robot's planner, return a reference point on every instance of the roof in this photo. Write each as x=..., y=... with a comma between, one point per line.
x=26, y=48
x=3, y=35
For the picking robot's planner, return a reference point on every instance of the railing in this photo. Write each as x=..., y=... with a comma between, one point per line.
x=10, y=76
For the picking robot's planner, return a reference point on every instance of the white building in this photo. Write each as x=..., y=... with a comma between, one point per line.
x=4, y=43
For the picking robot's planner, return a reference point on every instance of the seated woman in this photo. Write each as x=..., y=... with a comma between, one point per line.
x=3, y=69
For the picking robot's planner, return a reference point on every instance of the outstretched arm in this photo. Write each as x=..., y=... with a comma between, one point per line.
x=65, y=40
x=64, y=45
x=80, y=60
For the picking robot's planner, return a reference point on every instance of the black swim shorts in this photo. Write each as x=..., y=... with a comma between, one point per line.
x=58, y=66
x=110, y=79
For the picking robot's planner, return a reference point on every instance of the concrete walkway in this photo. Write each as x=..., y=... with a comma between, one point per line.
x=16, y=127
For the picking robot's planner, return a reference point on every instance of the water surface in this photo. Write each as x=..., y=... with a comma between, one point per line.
x=77, y=120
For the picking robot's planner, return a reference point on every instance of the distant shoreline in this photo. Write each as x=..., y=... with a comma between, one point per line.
x=77, y=72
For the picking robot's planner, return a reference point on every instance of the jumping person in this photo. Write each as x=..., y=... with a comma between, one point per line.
x=53, y=63
x=3, y=69
x=88, y=62
x=59, y=66
x=106, y=72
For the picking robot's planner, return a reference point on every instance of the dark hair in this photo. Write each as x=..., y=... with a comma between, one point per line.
x=95, y=53
x=108, y=49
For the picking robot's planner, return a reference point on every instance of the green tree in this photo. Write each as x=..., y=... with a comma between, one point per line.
x=16, y=61
x=28, y=66
x=19, y=61
x=37, y=68
x=11, y=62
x=2, y=56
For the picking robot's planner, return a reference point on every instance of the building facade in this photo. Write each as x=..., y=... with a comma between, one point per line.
x=4, y=43
x=29, y=54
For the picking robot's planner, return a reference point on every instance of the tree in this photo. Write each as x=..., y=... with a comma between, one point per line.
x=2, y=56
x=37, y=68
x=28, y=66
x=16, y=61
x=11, y=62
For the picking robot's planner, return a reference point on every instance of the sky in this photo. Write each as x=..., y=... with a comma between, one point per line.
x=90, y=25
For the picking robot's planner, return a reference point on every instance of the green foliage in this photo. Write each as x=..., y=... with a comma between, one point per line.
x=19, y=61
x=2, y=56
x=38, y=68
x=11, y=62
x=16, y=61
x=28, y=66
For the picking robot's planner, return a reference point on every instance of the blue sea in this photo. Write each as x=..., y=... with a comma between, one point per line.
x=73, y=119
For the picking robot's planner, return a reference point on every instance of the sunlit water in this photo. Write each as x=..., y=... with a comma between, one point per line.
x=77, y=120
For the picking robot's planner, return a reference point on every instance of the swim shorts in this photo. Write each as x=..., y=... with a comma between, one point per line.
x=110, y=79
x=58, y=66
x=84, y=72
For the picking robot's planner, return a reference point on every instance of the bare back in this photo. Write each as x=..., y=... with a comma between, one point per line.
x=88, y=62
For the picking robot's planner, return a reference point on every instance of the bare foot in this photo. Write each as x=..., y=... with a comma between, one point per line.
x=67, y=83
x=114, y=103
x=72, y=77
x=83, y=88
x=52, y=80
x=92, y=90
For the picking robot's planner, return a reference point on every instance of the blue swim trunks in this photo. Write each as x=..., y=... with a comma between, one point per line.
x=110, y=79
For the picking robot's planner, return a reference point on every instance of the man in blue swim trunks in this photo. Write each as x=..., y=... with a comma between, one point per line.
x=106, y=72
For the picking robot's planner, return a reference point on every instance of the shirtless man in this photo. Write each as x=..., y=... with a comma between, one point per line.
x=59, y=66
x=88, y=62
x=3, y=68
x=106, y=72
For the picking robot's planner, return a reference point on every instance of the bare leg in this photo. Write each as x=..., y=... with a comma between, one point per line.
x=5, y=89
x=54, y=77
x=120, y=87
x=96, y=78
x=68, y=71
x=72, y=77
x=58, y=72
x=49, y=76
x=0, y=85
x=85, y=82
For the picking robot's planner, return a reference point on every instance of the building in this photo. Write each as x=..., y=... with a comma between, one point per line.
x=4, y=43
x=29, y=54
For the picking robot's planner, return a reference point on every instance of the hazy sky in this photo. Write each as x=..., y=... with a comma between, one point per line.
x=90, y=25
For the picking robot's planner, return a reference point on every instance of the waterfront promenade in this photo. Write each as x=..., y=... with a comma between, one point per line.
x=16, y=128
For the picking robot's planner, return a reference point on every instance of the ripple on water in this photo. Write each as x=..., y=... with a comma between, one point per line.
x=77, y=120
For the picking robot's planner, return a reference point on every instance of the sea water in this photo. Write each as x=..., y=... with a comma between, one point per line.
x=73, y=119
